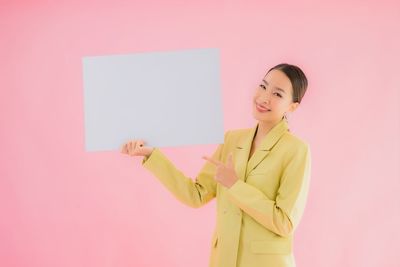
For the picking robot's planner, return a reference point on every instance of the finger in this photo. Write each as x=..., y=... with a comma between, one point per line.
x=130, y=147
x=215, y=162
x=123, y=148
x=136, y=145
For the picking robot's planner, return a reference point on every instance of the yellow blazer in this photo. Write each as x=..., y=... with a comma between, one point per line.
x=256, y=217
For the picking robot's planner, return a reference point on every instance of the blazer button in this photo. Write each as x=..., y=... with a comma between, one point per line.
x=224, y=210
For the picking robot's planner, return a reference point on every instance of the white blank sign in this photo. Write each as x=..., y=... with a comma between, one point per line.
x=167, y=99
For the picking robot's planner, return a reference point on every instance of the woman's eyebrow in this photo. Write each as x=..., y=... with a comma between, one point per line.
x=280, y=89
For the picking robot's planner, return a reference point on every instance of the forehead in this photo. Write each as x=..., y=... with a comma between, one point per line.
x=277, y=78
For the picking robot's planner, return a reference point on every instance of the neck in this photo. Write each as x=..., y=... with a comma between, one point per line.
x=263, y=128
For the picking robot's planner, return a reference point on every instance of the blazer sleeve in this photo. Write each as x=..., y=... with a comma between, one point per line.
x=283, y=214
x=191, y=193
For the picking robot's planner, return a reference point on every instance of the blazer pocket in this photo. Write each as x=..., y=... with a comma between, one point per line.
x=270, y=247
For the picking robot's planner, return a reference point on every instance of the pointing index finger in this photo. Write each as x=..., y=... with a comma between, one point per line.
x=215, y=162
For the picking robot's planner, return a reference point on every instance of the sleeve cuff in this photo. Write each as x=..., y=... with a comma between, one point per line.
x=235, y=188
x=148, y=158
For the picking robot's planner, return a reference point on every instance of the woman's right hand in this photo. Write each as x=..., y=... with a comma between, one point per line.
x=136, y=148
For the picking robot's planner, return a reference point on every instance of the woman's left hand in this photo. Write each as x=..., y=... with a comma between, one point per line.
x=225, y=173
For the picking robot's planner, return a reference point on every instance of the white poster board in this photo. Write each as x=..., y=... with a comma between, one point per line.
x=167, y=99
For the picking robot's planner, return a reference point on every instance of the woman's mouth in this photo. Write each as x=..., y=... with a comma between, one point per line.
x=261, y=109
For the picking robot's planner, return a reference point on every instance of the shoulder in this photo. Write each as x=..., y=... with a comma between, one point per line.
x=294, y=148
x=291, y=140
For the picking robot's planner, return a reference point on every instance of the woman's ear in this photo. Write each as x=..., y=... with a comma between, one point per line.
x=293, y=106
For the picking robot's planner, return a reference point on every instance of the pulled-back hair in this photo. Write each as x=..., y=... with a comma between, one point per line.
x=296, y=77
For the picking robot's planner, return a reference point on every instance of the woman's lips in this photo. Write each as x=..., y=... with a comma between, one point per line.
x=261, y=109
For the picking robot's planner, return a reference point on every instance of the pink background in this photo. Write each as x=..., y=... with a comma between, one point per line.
x=61, y=206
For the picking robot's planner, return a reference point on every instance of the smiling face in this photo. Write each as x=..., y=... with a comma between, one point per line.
x=273, y=98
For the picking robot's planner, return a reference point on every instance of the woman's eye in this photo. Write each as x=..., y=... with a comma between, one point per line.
x=262, y=85
x=277, y=94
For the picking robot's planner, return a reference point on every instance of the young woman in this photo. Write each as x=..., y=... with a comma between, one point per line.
x=260, y=177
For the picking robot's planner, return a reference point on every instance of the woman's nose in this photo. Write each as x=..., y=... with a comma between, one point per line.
x=265, y=97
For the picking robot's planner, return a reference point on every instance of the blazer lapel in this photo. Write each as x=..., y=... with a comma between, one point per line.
x=242, y=152
x=243, y=165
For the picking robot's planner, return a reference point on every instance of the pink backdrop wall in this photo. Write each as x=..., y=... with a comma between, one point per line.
x=60, y=206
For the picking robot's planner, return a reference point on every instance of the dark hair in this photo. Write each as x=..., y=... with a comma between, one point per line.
x=296, y=77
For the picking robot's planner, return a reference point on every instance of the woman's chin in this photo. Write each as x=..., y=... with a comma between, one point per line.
x=259, y=116
x=263, y=118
